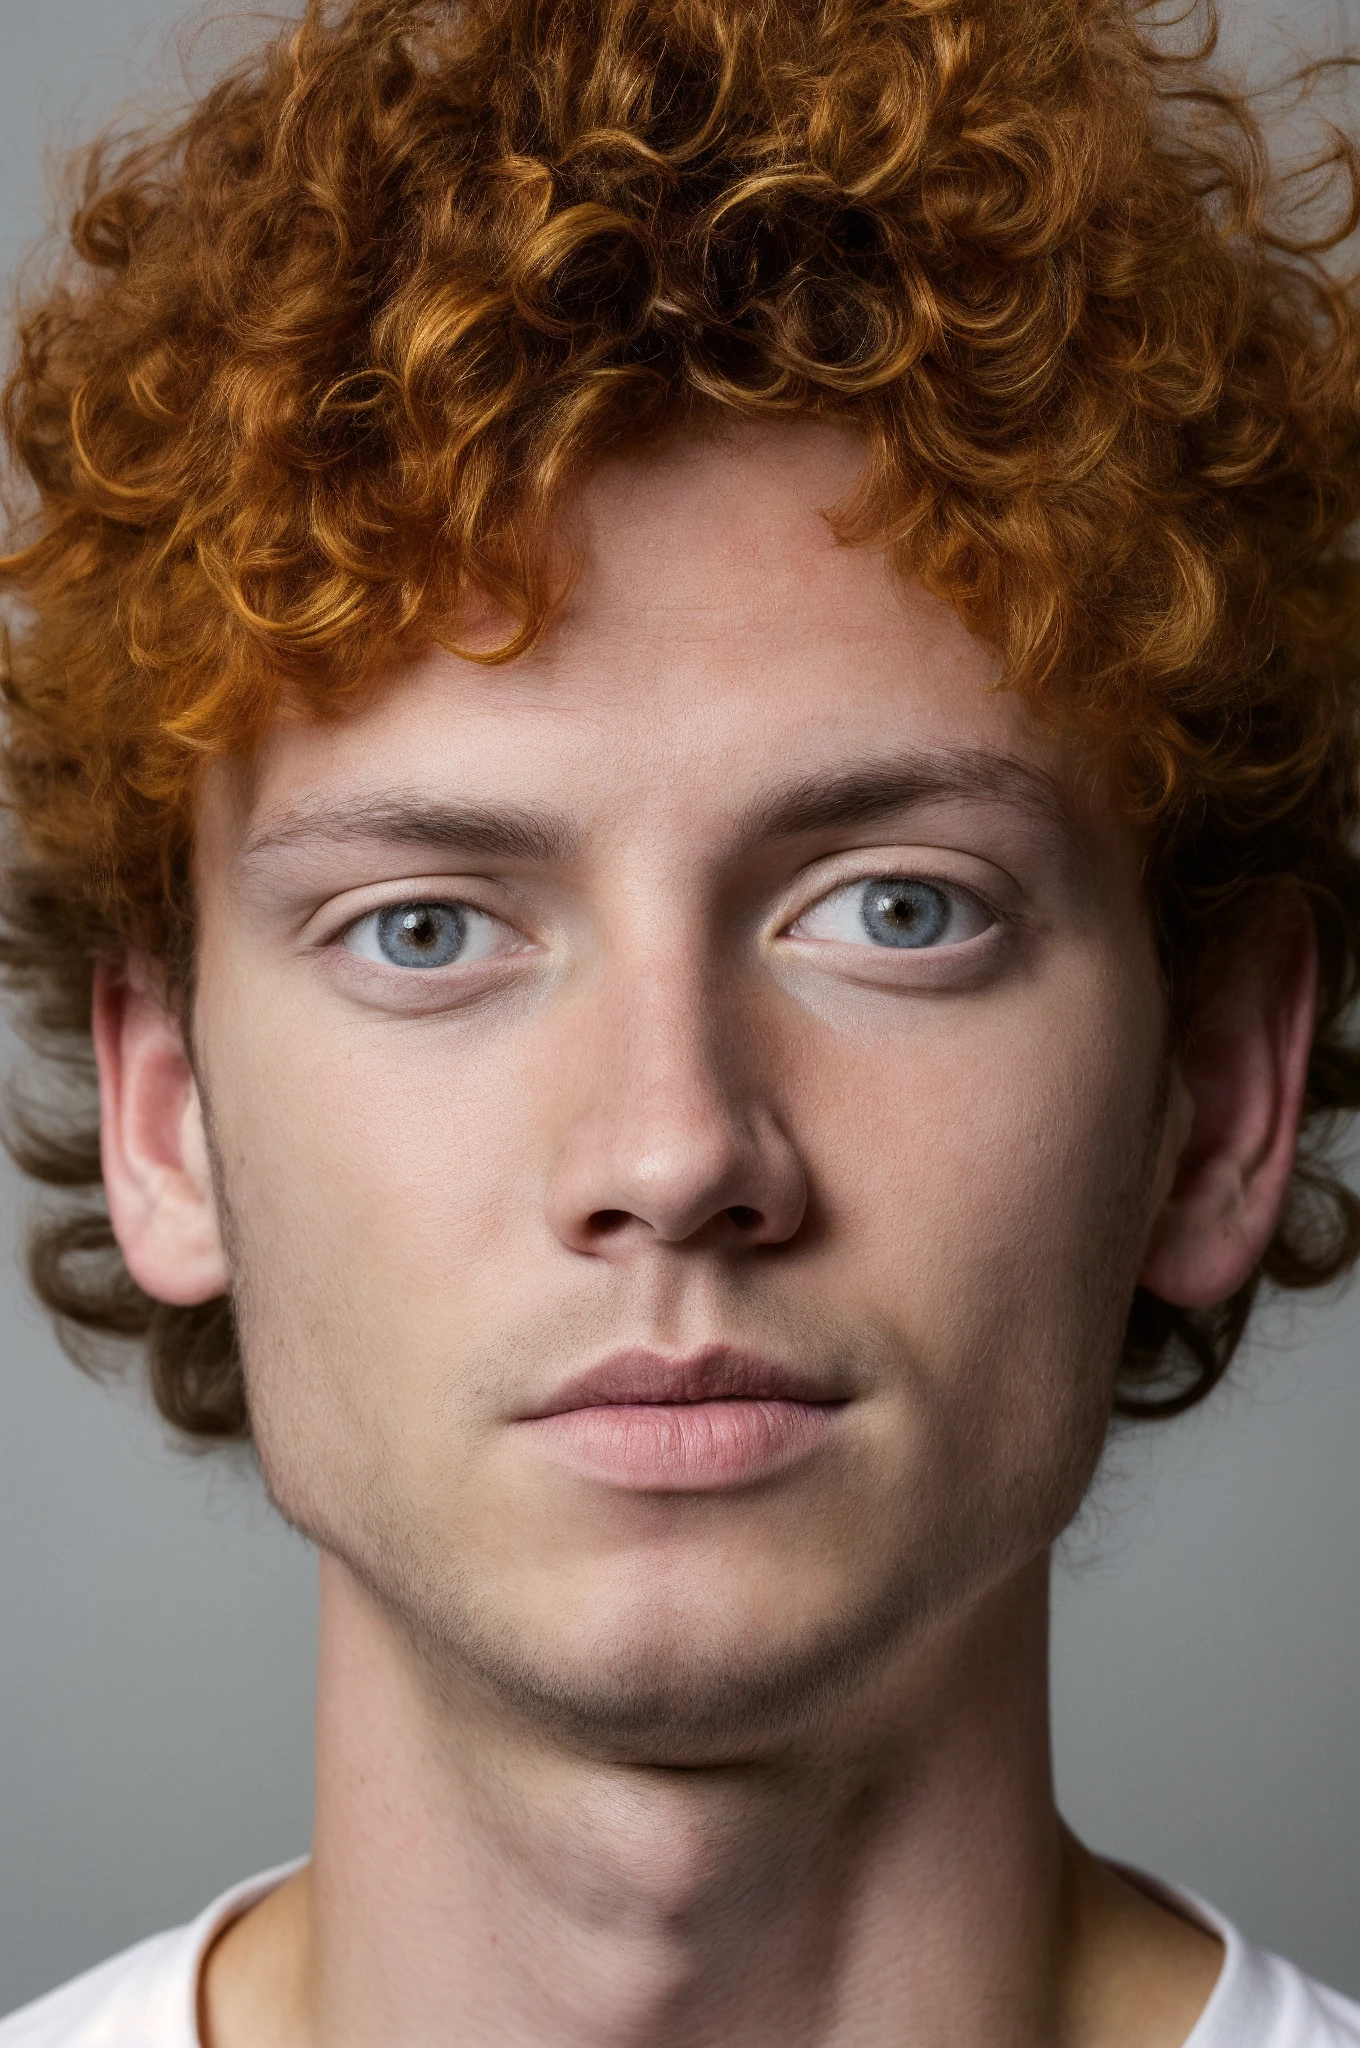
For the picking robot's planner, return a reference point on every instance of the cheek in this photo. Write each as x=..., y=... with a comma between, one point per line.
x=399, y=1139
x=989, y=1174
x=373, y=1177
x=1009, y=1190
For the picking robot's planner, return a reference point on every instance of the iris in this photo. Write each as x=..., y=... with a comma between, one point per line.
x=421, y=934
x=902, y=912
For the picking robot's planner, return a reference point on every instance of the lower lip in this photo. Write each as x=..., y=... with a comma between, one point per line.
x=686, y=1446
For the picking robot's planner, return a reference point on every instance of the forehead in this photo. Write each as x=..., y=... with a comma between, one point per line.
x=716, y=641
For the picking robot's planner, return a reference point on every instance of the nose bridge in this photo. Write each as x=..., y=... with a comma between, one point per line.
x=666, y=1125
x=678, y=1048
x=674, y=1100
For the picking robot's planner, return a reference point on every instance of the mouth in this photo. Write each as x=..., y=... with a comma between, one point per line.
x=706, y=1422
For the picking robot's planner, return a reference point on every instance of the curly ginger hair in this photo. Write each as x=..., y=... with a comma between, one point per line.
x=325, y=352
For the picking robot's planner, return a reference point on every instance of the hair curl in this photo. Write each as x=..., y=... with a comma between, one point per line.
x=324, y=354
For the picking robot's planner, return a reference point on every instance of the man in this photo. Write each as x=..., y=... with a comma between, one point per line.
x=686, y=715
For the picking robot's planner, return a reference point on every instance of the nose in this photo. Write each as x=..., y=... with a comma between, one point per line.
x=669, y=1138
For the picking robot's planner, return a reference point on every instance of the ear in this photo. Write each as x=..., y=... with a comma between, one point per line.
x=1238, y=1095
x=155, y=1154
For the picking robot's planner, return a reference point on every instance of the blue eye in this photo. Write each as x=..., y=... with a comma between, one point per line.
x=904, y=912
x=428, y=935
x=421, y=934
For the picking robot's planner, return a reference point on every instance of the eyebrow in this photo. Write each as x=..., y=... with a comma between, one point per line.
x=860, y=796
x=491, y=832
x=810, y=804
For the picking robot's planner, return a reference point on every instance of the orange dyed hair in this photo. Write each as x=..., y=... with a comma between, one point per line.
x=324, y=356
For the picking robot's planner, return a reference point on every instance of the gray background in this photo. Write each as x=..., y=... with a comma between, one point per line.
x=156, y=1622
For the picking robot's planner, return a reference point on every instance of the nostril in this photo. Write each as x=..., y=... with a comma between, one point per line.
x=743, y=1217
x=606, y=1222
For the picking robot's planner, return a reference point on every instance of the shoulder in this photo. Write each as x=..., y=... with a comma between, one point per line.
x=1287, y=2008
x=1262, y=2001
x=147, y=1997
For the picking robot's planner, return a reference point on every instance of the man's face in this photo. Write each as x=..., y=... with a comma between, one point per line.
x=733, y=997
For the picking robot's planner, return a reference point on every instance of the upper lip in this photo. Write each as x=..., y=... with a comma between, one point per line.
x=715, y=1373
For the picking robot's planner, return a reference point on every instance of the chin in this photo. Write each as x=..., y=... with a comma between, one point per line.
x=682, y=1648
x=665, y=1681
x=660, y=1705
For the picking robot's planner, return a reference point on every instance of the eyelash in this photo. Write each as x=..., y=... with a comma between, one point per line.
x=902, y=911
x=905, y=919
x=466, y=924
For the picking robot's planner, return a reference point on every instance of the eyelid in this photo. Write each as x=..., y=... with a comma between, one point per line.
x=484, y=936
x=965, y=907
x=991, y=888
x=330, y=921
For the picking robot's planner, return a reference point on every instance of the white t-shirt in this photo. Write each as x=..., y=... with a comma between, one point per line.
x=148, y=1996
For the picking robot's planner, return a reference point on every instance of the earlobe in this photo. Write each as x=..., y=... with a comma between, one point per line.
x=157, y=1173
x=1233, y=1123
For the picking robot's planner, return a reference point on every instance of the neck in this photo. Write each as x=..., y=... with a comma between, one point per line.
x=908, y=1861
